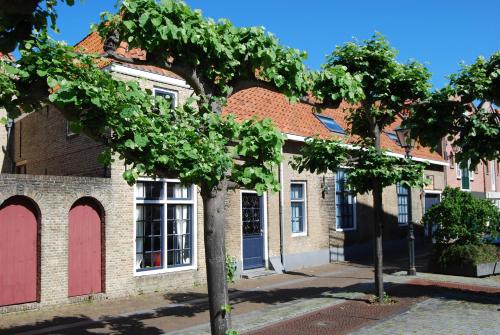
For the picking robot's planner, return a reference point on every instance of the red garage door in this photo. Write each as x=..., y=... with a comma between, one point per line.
x=18, y=252
x=84, y=256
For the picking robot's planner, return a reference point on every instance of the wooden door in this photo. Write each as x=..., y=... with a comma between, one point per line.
x=18, y=253
x=253, y=232
x=84, y=254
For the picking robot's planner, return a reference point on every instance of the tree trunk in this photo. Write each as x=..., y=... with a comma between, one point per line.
x=213, y=214
x=378, y=218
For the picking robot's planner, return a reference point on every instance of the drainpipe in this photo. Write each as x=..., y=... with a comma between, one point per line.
x=282, y=219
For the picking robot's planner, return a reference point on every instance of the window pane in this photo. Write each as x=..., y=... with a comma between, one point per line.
x=149, y=190
x=178, y=191
x=403, y=194
x=344, y=202
x=179, y=235
x=148, y=236
x=297, y=217
x=297, y=192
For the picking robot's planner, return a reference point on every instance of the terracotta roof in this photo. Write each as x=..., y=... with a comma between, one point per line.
x=296, y=119
x=9, y=55
x=299, y=119
x=93, y=43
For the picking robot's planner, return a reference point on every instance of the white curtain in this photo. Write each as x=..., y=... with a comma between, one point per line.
x=181, y=219
x=180, y=191
x=181, y=216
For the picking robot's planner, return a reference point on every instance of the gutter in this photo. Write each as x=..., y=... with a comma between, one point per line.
x=297, y=138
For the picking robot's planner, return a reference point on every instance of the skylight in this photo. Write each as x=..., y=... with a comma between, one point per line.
x=331, y=124
x=393, y=137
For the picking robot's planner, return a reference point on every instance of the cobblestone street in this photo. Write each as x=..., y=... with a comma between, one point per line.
x=454, y=314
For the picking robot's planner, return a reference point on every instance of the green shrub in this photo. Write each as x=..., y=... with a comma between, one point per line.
x=464, y=255
x=462, y=219
x=230, y=268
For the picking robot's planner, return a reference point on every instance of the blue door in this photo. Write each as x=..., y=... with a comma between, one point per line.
x=253, y=232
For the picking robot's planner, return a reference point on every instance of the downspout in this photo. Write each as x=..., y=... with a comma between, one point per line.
x=281, y=216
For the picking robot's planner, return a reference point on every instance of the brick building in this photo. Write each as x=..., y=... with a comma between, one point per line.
x=483, y=181
x=149, y=237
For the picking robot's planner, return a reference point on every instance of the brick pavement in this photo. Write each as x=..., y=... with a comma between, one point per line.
x=336, y=292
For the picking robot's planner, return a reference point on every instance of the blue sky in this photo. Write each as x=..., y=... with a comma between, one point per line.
x=439, y=33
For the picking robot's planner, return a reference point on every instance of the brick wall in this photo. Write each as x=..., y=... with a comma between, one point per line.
x=42, y=144
x=54, y=196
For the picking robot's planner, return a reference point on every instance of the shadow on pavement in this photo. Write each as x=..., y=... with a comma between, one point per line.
x=191, y=304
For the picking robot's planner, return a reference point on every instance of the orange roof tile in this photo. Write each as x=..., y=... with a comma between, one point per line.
x=93, y=43
x=298, y=118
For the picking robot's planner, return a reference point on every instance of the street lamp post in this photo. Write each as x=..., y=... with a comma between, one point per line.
x=407, y=143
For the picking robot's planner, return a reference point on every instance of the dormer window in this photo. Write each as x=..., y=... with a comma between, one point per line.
x=331, y=124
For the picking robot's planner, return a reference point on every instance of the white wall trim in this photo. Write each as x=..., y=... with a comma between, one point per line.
x=148, y=75
x=297, y=138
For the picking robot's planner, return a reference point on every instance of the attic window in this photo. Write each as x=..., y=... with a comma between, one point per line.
x=393, y=137
x=331, y=124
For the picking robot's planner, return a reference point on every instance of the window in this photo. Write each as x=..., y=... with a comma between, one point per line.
x=331, y=124
x=393, y=137
x=403, y=204
x=158, y=92
x=69, y=132
x=464, y=173
x=164, y=225
x=298, y=208
x=344, y=203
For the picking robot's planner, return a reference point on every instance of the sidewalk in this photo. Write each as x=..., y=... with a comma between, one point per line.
x=258, y=303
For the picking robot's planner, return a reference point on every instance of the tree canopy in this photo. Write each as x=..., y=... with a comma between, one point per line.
x=193, y=142
x=386, y=87
x=18, y=19
x=464, y=111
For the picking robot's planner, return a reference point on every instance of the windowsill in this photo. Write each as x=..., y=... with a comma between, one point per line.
x=299, y=234
x=163, y=271
x=345, y=229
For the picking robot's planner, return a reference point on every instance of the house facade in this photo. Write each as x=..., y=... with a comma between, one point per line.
x=483, y=181
x=86, y=233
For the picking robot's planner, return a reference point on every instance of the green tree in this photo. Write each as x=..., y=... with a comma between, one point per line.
x=386, y=87
x=193, y=142
x=464, y=111
x=18, y=18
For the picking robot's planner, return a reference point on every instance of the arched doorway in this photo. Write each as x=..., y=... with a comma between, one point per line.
x=19, y=218
x=85, y=248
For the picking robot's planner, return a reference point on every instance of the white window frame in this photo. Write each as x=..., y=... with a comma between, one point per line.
x=194, y=248
x=408, y=205
x=304, y=202
x=354, y=211
x=169, y=92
